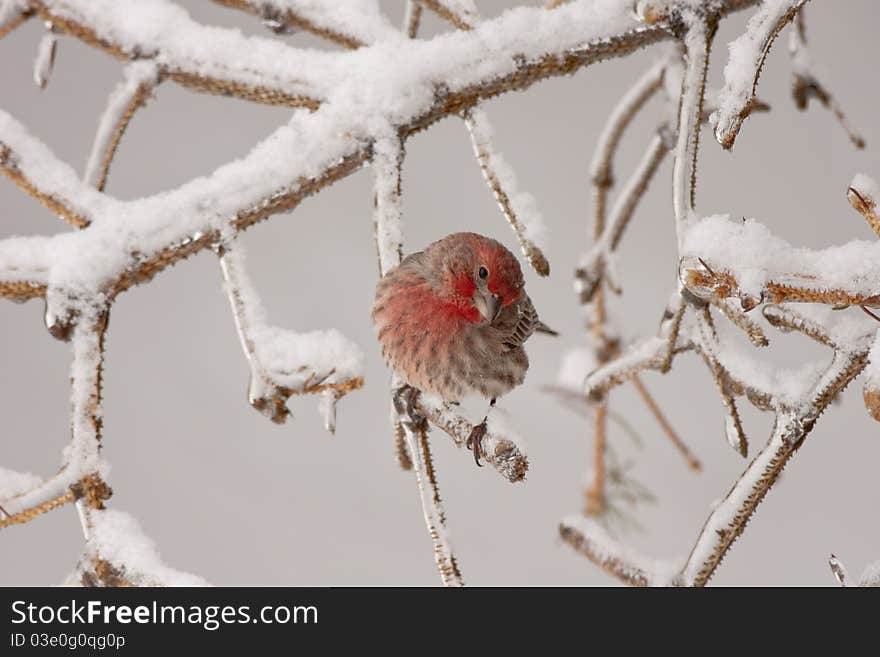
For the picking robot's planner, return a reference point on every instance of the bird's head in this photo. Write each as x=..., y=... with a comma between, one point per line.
x=475, y=275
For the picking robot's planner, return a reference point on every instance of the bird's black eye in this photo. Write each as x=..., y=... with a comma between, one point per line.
x=484, y=273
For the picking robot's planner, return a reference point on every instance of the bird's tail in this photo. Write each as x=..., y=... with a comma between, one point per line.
x=543, y=328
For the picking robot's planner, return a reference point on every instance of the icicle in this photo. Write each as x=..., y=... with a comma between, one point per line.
x=45, y=57
x=58, y=322
x=327, y=408
x=732, y=432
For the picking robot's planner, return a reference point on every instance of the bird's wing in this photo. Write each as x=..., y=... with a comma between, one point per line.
x=521, y=323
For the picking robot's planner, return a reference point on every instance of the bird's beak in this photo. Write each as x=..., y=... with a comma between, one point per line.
x=489, y=305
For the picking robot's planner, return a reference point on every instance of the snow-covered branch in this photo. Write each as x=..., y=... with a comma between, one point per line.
x=282, y=362
x=593, y=541
x=362, y=104
x=132, y=93
x=349, y=23
x=745, y=63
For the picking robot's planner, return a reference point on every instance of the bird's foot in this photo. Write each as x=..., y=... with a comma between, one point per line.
x=475, y=440
x=404, y=400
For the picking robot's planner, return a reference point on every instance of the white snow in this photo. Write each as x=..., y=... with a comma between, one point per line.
x=746, y=54
x=14, y=483
x=297, y=359
x=753, y=254
x=387, y=160
x=866, y=186
x=10, y=10
x=138, y=75
x=606, y=549
x=359, y=19
x=118, y=538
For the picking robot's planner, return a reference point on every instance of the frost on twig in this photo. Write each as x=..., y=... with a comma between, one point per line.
x=589, y=538
x=362, y=105
x=80, y=478
x=728, y=519
x=349, y=23
x=207, y=59
x=725, y=258
x=282, y=362
x=388, y=157
x=34, y=168
x=745, y=63
x=12, y=14
x=432, y=505
x=518, y=207
x=412, y=18
x=462, y=14
x=697, y=43
x=863, y=193
x=501, y=448
x=132, y=93
x=597, y=265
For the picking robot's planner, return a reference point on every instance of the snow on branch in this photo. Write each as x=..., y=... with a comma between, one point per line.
x=12, y=14
x=593, y=541
x=363, y=105
x=745, y=63
x=208, y=59
x=727, y=521
x=501, y=447
x=117, y=553
x=518, y=207
x=28, y=163
x=349, y=23
x=724, y=257
x=282, y=362
x=462, y=14
x=140, y=79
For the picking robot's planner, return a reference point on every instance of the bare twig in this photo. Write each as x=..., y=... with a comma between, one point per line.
x=461, y=13
x=594, y=502
x=674, y=438
x=806, y=85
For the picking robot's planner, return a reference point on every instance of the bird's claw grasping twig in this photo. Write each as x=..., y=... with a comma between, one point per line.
x=475, y=440
x=404, y=399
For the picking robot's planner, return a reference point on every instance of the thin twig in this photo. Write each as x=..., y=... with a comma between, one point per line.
x=674, y=438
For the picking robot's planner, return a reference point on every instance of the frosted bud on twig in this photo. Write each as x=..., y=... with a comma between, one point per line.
x=871, y=390
x=838, y=570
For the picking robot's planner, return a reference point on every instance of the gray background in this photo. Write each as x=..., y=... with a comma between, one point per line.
x=233, y=498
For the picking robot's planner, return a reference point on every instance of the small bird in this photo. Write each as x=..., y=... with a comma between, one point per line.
x=452, y=320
